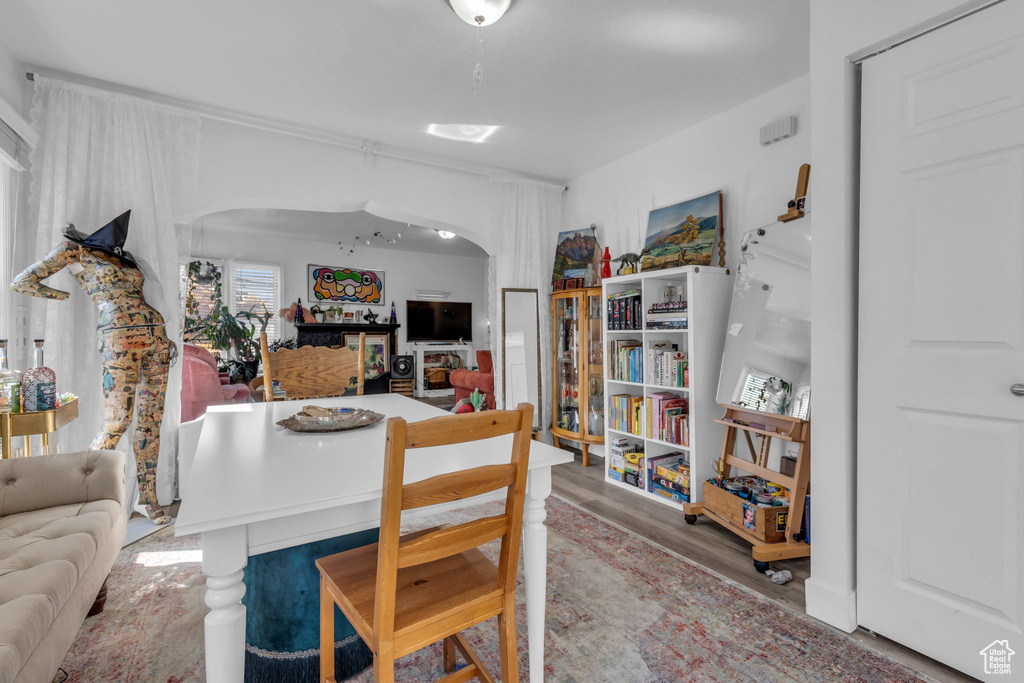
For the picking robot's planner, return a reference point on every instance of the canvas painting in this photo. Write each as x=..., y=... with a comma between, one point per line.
x=576, y=250
x=377, y=355
x=352, y=285
x=682, y=234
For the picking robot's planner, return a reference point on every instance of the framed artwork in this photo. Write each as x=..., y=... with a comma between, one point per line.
x=576, y=250
x=683, y=234
x=352, y=285
x=377, y=354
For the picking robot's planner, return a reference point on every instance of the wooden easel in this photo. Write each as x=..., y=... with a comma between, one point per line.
x=768, y=427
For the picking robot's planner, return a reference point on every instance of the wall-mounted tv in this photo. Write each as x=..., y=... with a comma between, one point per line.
x=439, y=321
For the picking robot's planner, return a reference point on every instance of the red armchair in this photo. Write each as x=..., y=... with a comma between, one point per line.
x=202, y=385
x=465, y=381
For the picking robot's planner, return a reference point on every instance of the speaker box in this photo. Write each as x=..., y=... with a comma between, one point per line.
x=402, y=367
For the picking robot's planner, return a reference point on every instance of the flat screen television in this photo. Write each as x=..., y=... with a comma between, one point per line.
x=439, y=321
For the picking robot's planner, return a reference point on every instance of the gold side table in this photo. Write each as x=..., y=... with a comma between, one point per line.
x=41, y=422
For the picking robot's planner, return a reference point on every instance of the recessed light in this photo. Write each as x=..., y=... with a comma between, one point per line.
x=462, y=132
x=445, y=235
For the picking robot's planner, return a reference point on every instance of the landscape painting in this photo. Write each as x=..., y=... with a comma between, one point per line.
x=683, y=234
x=577, y=251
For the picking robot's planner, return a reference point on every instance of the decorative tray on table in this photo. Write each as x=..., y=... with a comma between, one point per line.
x=317, y=419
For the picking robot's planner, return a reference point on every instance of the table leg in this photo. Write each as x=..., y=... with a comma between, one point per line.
x=224, y=557
x=535, y=549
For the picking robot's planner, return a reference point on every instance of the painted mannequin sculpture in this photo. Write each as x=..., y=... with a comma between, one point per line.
x=133, y=343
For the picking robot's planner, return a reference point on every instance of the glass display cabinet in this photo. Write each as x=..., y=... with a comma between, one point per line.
x=578, y=377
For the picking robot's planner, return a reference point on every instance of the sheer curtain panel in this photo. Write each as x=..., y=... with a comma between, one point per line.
x=527, y=215
x=99, y=154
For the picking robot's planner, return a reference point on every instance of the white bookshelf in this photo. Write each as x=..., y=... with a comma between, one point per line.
x=708, y=292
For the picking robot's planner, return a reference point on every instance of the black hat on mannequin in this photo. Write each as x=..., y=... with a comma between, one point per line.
x=109, y=239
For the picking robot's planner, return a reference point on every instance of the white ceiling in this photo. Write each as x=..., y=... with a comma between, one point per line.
x=574, y=85
x=319, y=226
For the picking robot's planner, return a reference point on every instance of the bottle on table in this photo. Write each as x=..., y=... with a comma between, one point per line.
x=38, y=384
x=394, y=318
x=10, y=384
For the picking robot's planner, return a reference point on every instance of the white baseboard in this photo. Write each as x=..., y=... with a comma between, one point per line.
x=836, y=608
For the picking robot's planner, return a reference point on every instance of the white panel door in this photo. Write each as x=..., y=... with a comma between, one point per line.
x=940, y=455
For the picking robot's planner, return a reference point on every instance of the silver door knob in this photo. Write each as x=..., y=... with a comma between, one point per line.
x=1017, y=389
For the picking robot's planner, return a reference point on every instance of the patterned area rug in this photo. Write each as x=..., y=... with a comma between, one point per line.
x=620, y=609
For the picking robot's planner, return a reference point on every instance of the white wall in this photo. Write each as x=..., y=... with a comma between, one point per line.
x=405, y=272
x=840, y=28
x=720, y=153
x=245, y=167
x=12, y=78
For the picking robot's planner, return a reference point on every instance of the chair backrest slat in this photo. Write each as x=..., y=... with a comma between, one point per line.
x=451, y=540
x=445, y=488
x=313, y=371
x=454, y=429
x=392, y=554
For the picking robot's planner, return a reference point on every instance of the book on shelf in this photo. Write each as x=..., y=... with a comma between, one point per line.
x=662, y=306
x=667, y=324
x=664, y=410
x=625, y=413
x=624, y=310
x=626, y=361
x=667, y=366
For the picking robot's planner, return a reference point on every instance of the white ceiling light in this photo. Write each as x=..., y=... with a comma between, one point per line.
x=463, y=132
x=480, y=12
x=445, y=235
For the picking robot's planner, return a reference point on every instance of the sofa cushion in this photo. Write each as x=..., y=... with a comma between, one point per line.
x=43, y=554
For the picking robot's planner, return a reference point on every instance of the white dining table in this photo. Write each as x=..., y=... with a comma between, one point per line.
x=255, y=487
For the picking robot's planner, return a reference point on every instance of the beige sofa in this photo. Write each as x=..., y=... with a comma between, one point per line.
x=61, y=527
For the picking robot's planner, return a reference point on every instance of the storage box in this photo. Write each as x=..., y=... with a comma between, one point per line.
x=615, y=474
x=767, y=524
x=674, y=496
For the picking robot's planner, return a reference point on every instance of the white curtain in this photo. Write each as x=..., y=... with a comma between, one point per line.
x=527, y=216
x=99, y=154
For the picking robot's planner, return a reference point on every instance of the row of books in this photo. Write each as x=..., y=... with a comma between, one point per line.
x=668, y=366
x=626, y=360
x=667, y=418
x=626, y=413
x=624, y=310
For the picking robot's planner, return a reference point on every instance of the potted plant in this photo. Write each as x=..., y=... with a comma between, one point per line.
x=235, y=336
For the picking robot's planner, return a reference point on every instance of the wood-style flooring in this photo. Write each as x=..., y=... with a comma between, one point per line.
x=711, y=546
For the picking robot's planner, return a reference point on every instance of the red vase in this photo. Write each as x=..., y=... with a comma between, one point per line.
x=606, y=264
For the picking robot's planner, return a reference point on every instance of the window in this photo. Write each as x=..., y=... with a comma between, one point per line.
x=12, y=151
x=753, y=395
x=242, y=286
x=256, y=287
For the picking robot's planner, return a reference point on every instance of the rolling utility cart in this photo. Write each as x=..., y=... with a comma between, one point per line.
x=775, y=532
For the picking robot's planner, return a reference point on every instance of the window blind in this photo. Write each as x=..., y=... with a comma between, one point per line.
x=753, y=395
x=13, y=149
x=257, y=287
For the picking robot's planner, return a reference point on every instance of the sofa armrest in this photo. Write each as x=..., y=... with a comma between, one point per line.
x=50, y=480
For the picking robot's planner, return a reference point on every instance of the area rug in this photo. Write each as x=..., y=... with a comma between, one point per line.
x=620, y=609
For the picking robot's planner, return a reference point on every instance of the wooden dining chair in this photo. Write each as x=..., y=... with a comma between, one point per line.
x=407, y=592
x=313, y=371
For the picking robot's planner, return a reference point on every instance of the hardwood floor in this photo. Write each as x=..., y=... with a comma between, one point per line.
x=712, y=547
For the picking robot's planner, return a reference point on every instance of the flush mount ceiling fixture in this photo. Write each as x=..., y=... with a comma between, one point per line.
x=480, y=12
x=462, y=132
x=445, y=235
